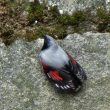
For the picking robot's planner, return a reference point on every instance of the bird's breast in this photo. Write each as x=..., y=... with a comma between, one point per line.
x=56, y=59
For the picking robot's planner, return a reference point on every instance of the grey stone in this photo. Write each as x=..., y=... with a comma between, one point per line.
x=23, y=85
x=73, y=5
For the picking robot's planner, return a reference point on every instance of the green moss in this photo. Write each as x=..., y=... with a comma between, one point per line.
x=8, y=41
x=49, y=21
x=64, y=19
x=103, y=14
x=79, y=29
x=41, y=13
x=15, y=7
x=57, y=31
x=102, y=26
x=35, y=12
x=36, y=33
x=54, y=30
x=8, y=36
x=41, y=31
x=75, y=19
x=7, y=33
x=103, y=19
x=108, y=28
x=55, y=12
x=78, y=17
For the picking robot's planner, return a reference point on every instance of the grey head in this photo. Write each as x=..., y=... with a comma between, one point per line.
x=48, y=42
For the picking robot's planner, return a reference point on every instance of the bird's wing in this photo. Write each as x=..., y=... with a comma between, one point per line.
x=61, y=79
x=76, y=70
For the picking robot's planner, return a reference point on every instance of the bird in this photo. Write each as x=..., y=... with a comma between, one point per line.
x=61, y=69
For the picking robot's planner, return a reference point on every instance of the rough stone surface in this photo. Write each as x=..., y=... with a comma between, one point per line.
x=73, y=5
x=23, y=86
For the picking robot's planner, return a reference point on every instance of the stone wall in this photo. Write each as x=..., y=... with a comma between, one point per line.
x=23, y=86
x=73, y=5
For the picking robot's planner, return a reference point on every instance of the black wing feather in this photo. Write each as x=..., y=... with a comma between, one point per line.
x=72, y=74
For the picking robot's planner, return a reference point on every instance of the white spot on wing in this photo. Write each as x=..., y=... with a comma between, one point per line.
x=67, y=86
x=57, y=85
x=61, y=87
x=48, y=75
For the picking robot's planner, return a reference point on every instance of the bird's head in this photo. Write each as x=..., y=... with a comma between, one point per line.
x=48, y=42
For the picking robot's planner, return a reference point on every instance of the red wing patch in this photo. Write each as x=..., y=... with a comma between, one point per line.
x=73, y=61
x=55, y=75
